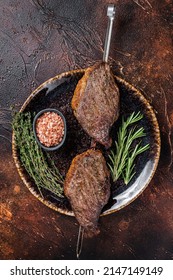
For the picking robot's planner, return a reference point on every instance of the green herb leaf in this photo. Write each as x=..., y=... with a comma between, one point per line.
x=38, y=164
x=123, y=156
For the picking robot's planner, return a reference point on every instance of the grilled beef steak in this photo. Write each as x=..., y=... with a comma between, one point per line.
x=96, y=102
x=87, y=186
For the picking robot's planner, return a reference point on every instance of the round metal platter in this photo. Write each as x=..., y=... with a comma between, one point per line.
x=57, y=93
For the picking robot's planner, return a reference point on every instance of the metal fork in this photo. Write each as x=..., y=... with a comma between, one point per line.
x=111, y=14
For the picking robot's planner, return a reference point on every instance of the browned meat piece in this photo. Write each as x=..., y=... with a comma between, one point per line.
x=96, y=102
x=87, y=186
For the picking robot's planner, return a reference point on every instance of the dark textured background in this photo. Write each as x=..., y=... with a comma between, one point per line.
x=39, y=39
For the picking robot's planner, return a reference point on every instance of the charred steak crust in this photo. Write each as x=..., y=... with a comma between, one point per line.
x=96, y=102
x=87, y=186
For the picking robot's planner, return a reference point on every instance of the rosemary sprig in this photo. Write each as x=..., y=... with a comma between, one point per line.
x=129, y=170
x=122, y=157
x=44, y=174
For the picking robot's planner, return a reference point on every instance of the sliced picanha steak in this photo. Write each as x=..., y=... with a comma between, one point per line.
x=87, y=186
x=96, y=102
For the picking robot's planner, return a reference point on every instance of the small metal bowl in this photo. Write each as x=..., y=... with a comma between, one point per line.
x=52, y=148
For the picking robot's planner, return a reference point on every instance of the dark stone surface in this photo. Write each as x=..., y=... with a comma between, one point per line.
x=39, y=39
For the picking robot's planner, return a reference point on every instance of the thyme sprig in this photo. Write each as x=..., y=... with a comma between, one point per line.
x=38, y=165
x=123, y=156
